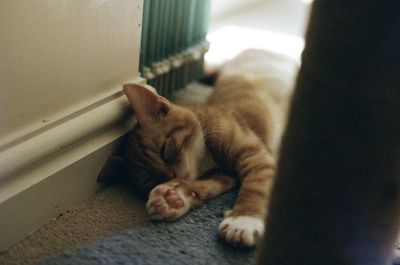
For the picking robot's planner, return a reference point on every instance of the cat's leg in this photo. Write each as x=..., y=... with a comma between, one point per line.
x=171, y=200
x=244, y=224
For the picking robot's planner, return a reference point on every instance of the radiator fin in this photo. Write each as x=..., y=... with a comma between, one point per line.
x=173, y=42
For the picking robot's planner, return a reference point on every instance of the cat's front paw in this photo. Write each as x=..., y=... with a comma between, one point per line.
x=242, y=230
x=169, y=201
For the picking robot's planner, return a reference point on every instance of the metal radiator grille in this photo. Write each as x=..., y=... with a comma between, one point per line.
x=173, y=42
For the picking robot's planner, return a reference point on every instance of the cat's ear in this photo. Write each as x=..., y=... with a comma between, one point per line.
x=146, y=103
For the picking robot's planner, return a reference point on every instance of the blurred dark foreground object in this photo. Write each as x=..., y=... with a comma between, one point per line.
x=336, y=197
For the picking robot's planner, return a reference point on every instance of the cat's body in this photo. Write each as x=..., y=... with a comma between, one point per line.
x=232, y=136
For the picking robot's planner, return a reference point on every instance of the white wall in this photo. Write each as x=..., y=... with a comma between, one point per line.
x=62, y=112
x=58, y=55
x=287, y=17
x=223, y=8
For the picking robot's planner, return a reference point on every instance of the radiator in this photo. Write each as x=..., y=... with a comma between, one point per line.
x=173, y=42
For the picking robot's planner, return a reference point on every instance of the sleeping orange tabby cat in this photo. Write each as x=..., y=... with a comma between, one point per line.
x=231, y=138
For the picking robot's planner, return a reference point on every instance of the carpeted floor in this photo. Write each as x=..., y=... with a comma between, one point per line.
x=108, y=212
x=192, y=239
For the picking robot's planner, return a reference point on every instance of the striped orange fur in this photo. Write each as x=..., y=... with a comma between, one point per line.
x=230, y=138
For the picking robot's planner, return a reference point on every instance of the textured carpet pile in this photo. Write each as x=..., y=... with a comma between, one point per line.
x=193, y=239
x=108, y=212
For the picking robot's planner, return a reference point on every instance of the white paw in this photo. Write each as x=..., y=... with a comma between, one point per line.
x=242, y=230
x=168, y=202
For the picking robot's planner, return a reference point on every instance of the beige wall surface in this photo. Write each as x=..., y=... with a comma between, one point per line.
x=55, y=55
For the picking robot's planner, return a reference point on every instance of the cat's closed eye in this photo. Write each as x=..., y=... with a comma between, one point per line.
x=170, y=150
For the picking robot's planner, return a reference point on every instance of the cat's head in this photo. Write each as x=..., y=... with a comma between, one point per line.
x=167, y=141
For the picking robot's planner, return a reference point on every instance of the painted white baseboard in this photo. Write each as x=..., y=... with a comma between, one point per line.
x=54, y=169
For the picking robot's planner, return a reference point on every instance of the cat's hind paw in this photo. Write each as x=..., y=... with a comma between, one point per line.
x=169, y=201
x=242, y=231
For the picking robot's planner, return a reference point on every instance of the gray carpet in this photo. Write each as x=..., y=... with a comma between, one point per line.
x=193, y=239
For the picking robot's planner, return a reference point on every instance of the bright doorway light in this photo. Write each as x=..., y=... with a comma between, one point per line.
x=230, y=40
